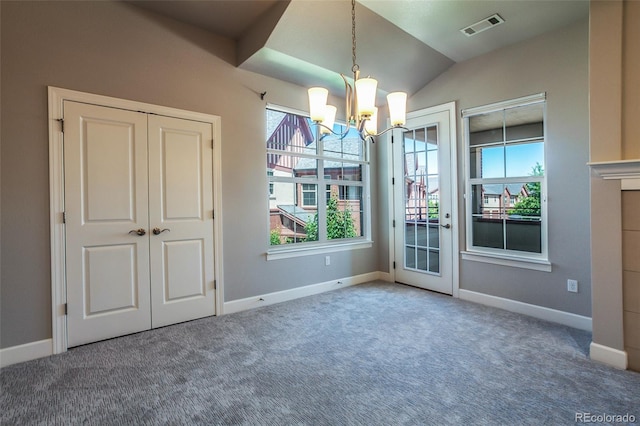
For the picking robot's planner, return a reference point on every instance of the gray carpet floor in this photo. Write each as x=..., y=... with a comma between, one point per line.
x=372, y=354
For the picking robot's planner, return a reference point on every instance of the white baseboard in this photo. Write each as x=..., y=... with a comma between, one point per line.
x=26, y=352
x=385, y=276
x=606, y=355
x=295, y=293
x=547, y=314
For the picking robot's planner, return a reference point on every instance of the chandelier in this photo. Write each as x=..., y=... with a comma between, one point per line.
x=360, y=109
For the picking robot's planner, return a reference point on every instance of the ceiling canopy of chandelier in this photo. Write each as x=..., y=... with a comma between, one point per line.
x=360, y=109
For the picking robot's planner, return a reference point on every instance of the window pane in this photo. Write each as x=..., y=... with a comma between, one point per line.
x=523, y=200
x=339, y=170
x=524, y=159
x=351, y=147
x=486, y=128
x=488, y=214
x=524, y=122
x=488, y=232
x=524, y=235
x=486, y=162
x=288, y=220
x=523, y=224
x=344, y=215
x=302, y=167
x=289, y=132
x=488, y=200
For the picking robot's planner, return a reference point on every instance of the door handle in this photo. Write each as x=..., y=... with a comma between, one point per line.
x=158, y=231
x=447, y=226
x=140, y=232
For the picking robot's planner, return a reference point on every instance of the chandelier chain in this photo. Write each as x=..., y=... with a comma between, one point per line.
x=355, y=66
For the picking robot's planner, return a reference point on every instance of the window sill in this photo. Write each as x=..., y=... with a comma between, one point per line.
x=286, y=253
x=513, y=261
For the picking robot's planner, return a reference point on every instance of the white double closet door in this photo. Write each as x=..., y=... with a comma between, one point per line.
x=139, y=221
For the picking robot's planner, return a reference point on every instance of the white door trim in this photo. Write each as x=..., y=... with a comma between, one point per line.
x=455, y=220
x=56, y=195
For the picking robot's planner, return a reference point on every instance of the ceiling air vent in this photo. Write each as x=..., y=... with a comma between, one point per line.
x=483, y=25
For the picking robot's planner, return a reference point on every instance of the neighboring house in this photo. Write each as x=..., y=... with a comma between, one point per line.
x=497, y=199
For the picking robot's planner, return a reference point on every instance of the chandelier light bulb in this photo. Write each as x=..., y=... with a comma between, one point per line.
x=397, y=108
x=329, y=119
x=371, y=125
x=366, y=95
x=317, y=103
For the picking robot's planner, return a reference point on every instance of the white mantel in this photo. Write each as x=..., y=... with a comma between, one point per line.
x=627, y=171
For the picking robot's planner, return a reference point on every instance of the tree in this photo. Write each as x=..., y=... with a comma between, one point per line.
x=274, y=237
x=339, y=223
x=530, y=205
x=434, y=209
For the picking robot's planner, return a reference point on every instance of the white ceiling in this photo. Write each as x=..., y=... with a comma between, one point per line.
x=403, y=43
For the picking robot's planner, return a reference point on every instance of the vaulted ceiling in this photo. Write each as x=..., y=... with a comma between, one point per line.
x=403, y=43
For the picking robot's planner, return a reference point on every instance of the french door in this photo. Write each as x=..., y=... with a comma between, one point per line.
x=423, y=248
x=139, y=225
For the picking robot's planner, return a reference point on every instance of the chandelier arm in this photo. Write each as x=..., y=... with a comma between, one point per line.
x=387, y=130
x=317, y=123
x=348, y=103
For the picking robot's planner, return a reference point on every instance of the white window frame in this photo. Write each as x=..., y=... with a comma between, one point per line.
x=323, y=245
x=528, y=260
x=313, y=191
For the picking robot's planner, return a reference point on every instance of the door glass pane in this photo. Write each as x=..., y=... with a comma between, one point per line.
x=434, y=261
x=422, y=259
x=410, y=257
x=422, y=200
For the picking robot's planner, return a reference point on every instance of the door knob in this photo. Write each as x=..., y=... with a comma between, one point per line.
x=447, y=226
x=158, y=231
x=140, y=232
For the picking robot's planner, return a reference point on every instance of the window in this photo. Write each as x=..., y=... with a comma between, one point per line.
x=309, y=195
x=270, y=174
x=298, y=165
x=505, y=182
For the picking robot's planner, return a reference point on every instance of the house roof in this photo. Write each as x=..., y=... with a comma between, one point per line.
x=349, y=148
x=296, y=213
x=498, y=188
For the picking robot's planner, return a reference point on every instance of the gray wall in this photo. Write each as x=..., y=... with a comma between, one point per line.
x=113, y=49
x=555, y=63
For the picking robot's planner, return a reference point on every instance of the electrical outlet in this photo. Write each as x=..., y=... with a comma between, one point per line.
x=572, y=286
x=327, y=260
